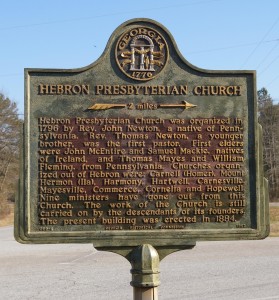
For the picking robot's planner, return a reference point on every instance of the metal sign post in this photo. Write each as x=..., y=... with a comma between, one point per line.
x=145, y=272
x=145, y=262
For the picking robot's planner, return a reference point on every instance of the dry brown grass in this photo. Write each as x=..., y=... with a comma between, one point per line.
x=274, y=220
x=8, y=219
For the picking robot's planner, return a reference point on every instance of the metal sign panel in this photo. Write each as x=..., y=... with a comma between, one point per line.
x=140, y=147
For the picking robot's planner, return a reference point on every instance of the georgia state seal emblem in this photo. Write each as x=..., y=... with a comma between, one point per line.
x=141, y=53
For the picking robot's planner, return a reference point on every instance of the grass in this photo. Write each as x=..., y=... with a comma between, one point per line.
x=7, y=220
x=274, y=220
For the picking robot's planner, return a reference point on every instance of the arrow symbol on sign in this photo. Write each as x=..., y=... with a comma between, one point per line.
x=104, y=106
x=185, y=105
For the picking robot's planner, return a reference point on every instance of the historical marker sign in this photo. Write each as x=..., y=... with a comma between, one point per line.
x=141, y=147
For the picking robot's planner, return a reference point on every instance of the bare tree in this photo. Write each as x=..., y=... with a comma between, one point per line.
x=9, y=150
x=269, y=119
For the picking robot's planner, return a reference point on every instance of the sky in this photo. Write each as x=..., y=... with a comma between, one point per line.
x=210, y=34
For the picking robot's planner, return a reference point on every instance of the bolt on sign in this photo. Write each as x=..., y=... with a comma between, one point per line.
x=140, y=147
